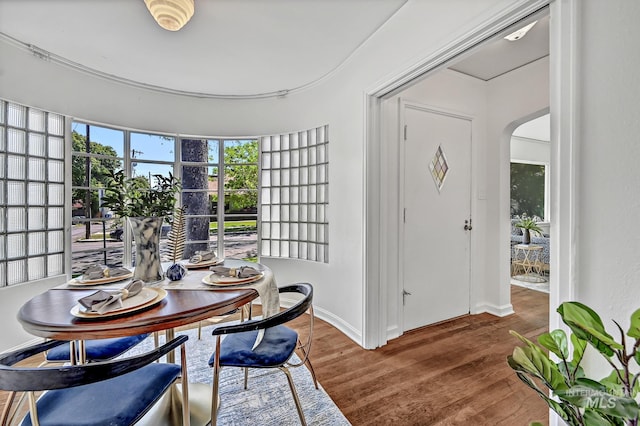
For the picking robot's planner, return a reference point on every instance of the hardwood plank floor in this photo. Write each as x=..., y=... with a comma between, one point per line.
x=453, y=373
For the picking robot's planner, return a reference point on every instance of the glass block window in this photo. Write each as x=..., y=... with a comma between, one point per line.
x=32, y=179
x=294, y=195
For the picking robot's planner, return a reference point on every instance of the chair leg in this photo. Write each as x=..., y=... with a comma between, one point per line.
x=216, y=384
x=246, y=378
x=295, y=395
x=33, y=408
x=186, y=411
x=199, y=330
x=7, y=408
x=307, y=361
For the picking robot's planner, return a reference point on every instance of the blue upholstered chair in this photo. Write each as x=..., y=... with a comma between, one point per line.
x=274, y=351
x=117, y=392
x=96, y=350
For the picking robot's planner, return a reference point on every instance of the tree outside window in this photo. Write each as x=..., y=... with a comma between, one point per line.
x=527, y=189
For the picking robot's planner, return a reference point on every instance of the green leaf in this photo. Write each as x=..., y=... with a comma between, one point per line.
x=556, y=342
x=563, y=409
x=537, y=364
x=634, y=327
x=579, y=346
x=593, y=418
x=614, y=385
x=590, y=394
x=587, y=325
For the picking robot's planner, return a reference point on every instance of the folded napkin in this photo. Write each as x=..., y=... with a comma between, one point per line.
x=96, y=272
x=104, y=301
x=202, y=256
x=241, y=272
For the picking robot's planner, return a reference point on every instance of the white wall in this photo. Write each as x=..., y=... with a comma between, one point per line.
x=513, y=99
x=608, y=177
x=418, y=30
x=492, y=113
x=525, y=150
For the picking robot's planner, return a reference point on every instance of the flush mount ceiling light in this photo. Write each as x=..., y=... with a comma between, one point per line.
x=170, y=14
x=517, y=35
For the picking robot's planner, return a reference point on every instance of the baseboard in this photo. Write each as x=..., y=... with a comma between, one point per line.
x=499, y=311
x=393, y=332
x=327, y=316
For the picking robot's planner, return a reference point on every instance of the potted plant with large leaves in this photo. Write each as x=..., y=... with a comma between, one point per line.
x=528, y=226
x=146, y=205
x=575, y=397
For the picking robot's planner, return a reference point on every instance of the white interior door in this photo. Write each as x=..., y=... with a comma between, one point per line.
x=436, y=197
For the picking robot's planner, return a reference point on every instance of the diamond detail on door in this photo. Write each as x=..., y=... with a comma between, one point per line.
x=439, y=168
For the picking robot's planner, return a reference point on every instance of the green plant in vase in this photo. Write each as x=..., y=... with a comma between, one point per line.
x=528, y=226
x=146, y=206
x=577, y=398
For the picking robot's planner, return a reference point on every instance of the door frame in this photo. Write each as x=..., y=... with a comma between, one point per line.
x=564, y=36
x=400, y=147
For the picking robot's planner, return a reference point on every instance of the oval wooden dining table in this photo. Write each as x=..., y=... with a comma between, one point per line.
x=49, y=315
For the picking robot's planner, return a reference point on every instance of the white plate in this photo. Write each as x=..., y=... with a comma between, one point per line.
x=213, y=279
x=146, y=298
x=80, y=282
x=211, y=262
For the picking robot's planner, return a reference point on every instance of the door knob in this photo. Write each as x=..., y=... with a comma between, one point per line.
x=467, y=225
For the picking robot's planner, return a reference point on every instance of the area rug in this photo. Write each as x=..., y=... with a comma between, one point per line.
x=267, y=401
x=543, y=287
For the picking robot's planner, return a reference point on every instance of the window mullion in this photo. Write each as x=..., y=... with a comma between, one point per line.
x=221, y=201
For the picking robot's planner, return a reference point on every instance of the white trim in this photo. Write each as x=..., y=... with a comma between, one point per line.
x=68, y=195
x=375, y=284
x=531, y=140
x=499, y=311
x=337, y=322
x=374, y=311
x=565, y=142
x=330, y=318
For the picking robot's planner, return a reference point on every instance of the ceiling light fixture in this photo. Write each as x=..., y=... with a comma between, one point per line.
x=517, y=35
x=171, y=14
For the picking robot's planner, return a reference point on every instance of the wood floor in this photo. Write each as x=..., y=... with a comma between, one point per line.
x=453, y=373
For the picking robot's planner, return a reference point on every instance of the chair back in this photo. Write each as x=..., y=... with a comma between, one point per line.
x=305, y=289
x=48, y=378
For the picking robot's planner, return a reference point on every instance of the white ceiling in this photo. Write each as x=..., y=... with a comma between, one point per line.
x=501, y=56
x=230, y=47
